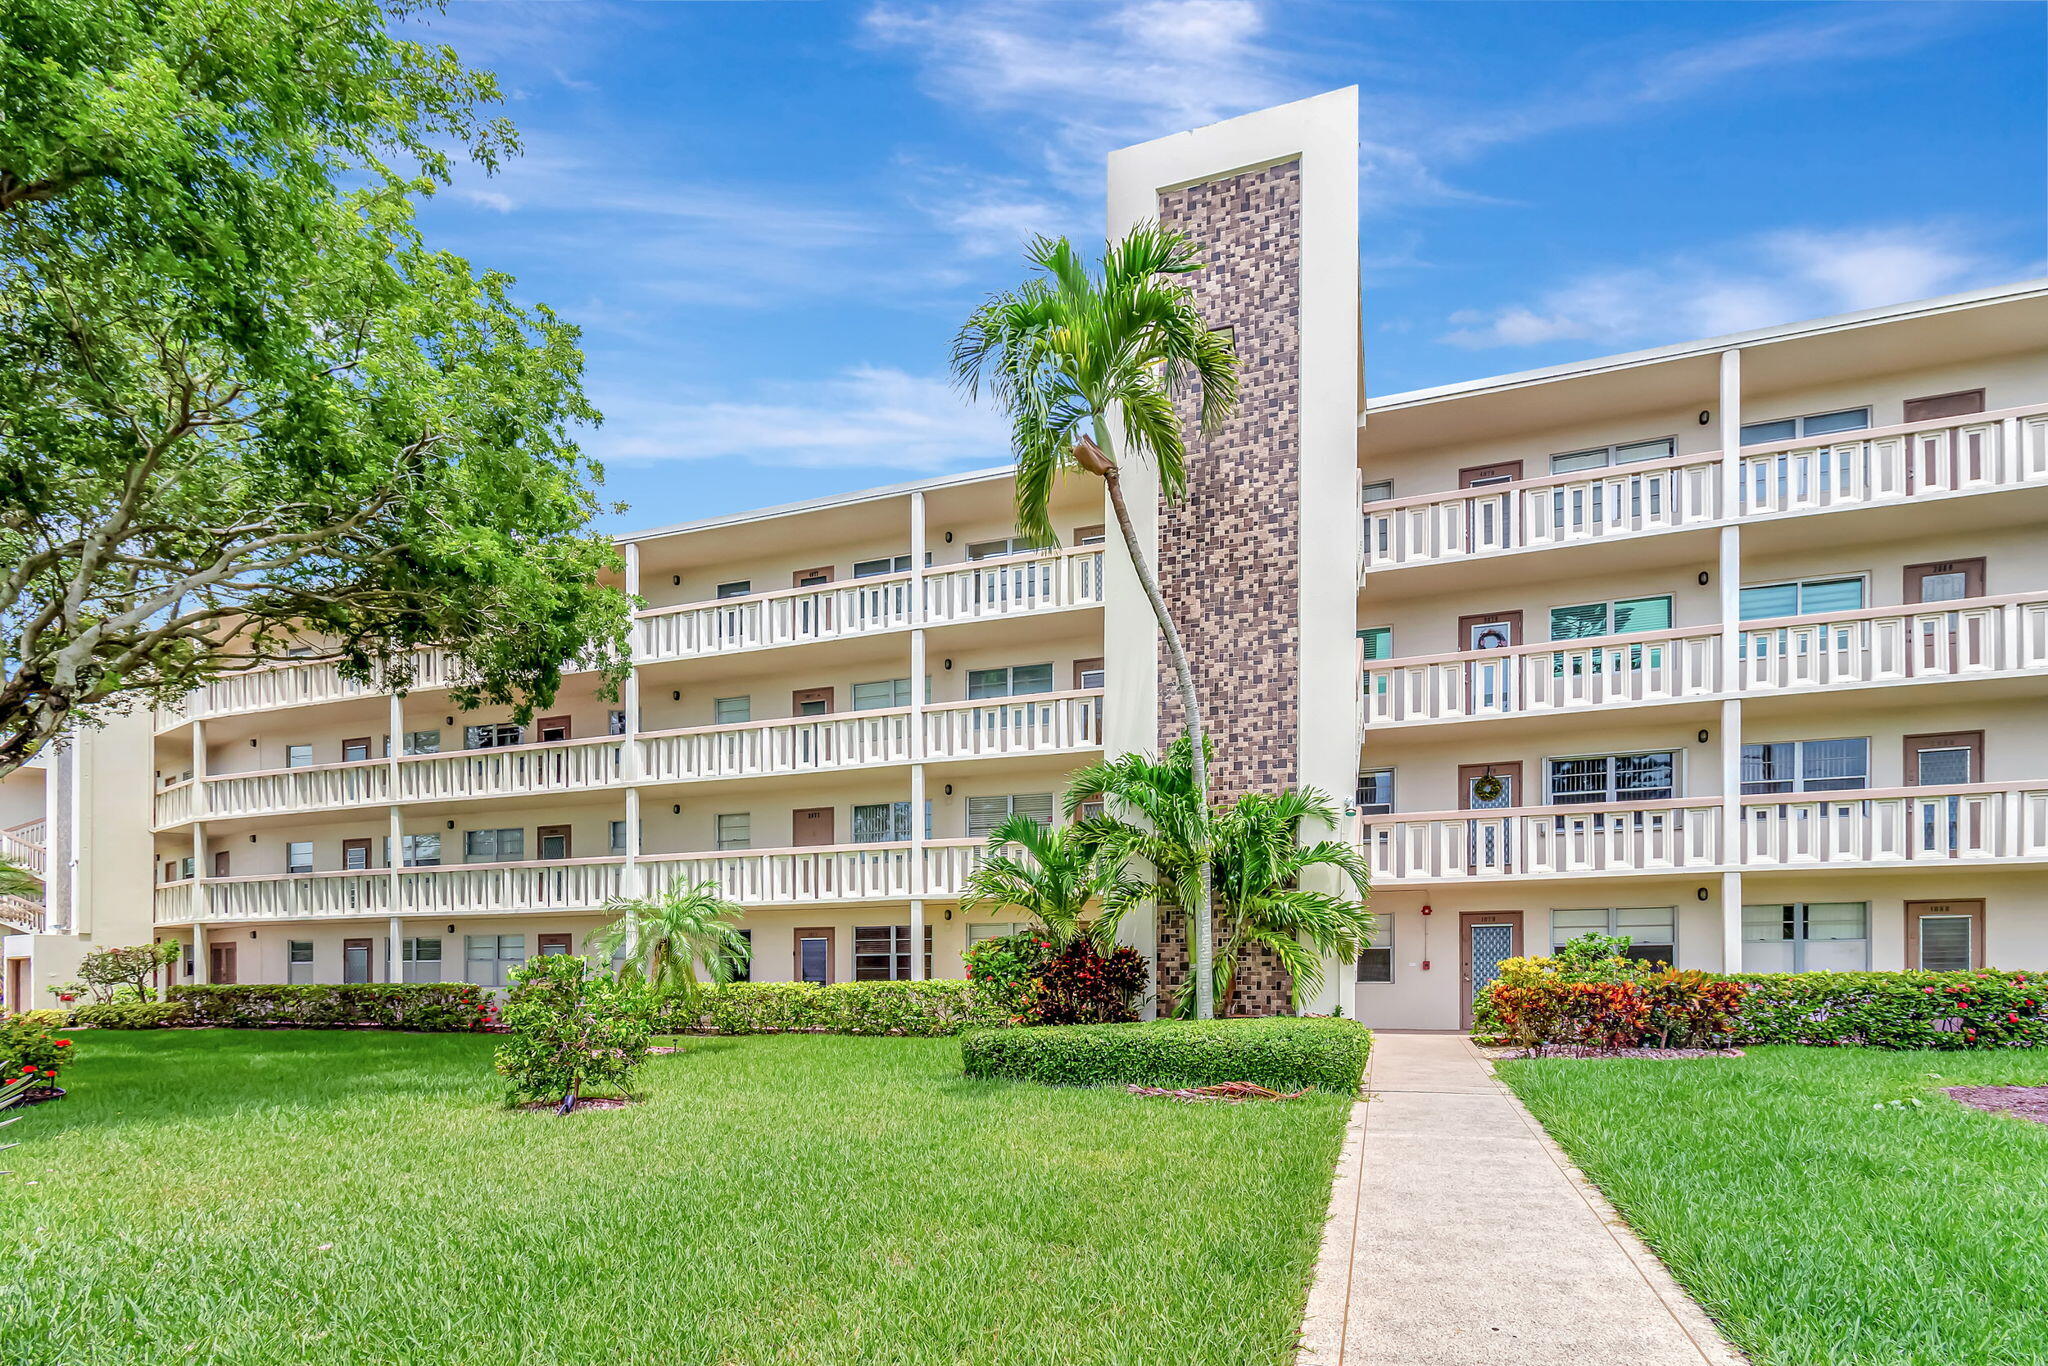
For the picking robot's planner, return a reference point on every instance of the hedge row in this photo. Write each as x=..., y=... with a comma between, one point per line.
x=1944, y=1010
x=426, y=1007
x=134, y=1015
x=1284, y=1053
x=925, y=1009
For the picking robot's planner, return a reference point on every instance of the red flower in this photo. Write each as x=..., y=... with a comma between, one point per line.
x=2013, y=1019
x=63, y=1043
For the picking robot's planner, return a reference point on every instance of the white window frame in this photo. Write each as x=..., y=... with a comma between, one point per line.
x=1381, y=941
x=1607, y=607
x=293, y=976
x=897, y=953
x=899, y=694
x=423, y=742
x=1009, y=673
x=1754, y=787
x=298, y=756
x=1799, y=431
x=1384, y=778
x=1009, y=801
x=1799, y=587
x=1610, y=797
x=497, y=834
x=1799, y=944
x=881, y=565
x=1612, y=455
x=291, y=856
x=722, y=705
x=1376, y=491
x=736, y=588
x=1613, y=921
x=732, y=831
x=501, y=964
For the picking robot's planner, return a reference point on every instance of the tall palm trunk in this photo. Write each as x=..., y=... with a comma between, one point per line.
x=1202, y=953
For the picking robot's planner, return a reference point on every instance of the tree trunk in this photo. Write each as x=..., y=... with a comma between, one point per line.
x=1202, y=946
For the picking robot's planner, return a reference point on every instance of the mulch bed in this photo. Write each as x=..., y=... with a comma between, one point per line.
x=592, y=1103
x=1230, y=1092
x=1630, y=1054
x=2024, y=1102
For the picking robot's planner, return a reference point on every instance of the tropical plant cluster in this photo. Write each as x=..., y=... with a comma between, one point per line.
x=574, y=1029
x=31, y=1053
x=1037, y=982
x=1588, y=997
x=423, y=1007
x=1937, y=1010
x=1285, y=1053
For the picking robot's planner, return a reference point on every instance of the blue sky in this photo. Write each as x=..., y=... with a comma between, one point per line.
x=769, y=218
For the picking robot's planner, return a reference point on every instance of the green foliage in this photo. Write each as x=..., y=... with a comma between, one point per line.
x=1029, y=980
x=49, y=1019
x=243, y=405
x=423, y=1007
x=574, y=1029
x=1285, y=1053
x=1588, y=997
x=31, y=1050
x=113, y=972
x=1006, y=969
x=1939, y=1010
x=134, y=1015
x=925, y=1009
x=16, y=880
x=1058, y=877
x=676, y=941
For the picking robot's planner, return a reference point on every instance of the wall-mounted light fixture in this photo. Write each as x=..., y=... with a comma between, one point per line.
x=1704, y=735
x=949, y=538
x=449, y=722
x=949, y=916
x=676, y=810
x=252, y=839
x=451, y=825
x=1705, y=417
x=675, y=695
x=252, y=742
x=1701, y=894
x=949, y=664
x=1705, y=578
x=451, y=929
x=949, y=789
x=676, y=579
x=252, y=934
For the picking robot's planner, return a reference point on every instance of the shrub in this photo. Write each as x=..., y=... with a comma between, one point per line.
x=1941, y=1010
x=113, y=972
x=425, y=1007
x=49, y=1019
x=1078, y=985
x=134, y=1015
x=575, y=1028
x=1587, y=996
x=925, y=1009
x=30, y=1050
x=1285, y=1053
x=1006, y=969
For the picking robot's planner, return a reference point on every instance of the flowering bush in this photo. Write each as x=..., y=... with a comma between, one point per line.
x=1943, y=1010
x=1007, y=969
x=31, y=1051
x=1590, y=997
x=425, y=1007
x=574, y=1028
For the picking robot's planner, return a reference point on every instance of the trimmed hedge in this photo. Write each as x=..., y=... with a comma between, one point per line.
x=1285, y=1053
x=425, y=1007
x=924, y=1009
x=134, y=1015
x=1939, y=1010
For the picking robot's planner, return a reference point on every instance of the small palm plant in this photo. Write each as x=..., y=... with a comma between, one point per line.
x=1260, y=863
x=669, y=940
x=1057, y=878
x=1071, y=350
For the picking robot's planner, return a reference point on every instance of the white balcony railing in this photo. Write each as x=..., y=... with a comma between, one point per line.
x=1652, y=666
x=1998, y=450
x=1019, y=725
x=1865, y=827
x=553, y=766
x=828, y=873
x=993, y=588
x=761, y=748
x=24, y=844
x=1893, y=644
x=21, y=915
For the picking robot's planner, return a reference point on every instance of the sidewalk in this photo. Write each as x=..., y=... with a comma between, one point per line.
x=1459, y=1233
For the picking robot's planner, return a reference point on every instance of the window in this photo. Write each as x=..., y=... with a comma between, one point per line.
x=738, y=588
x=495, y=736
x=1599, y=457
x=298, y=857
x=1376, y=791
x=1379, y=642
x=1806, y=936
x=1806, y=765
x=298, y=955
x=728, y=711
x=422, y=958
x=977, y=933
x=991, y=550
x=1376, y=959
x=298, y=756
x=1650, y=932
x=421, y=851
x=881, y=953
x=735, y=830
x=488, y=959
x=1813, y=424
x=1017, y=681
x=1942, y=936
x=881, y=823
x=886, y=692
x=355, y=751
x=1799, y=597
x=1612, y=778
x=1620, y=617
x=1942, y=766
x=986, y=813
x=1091, y=535
x=868, y=569
x=615, y=722
x=1378, y=491
x=1089, y=673
x=423, y=742
x=493, y=846
x=618, y=836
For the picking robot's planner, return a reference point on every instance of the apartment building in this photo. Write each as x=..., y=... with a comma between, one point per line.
x=1735, y=647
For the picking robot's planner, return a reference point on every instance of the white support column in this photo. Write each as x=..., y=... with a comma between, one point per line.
x=394, y=871
x=1730, y=572
x=630, y=759
x=394, y=967
x=629, y=876
x=199, y=803
x=917, y=705
x=200, y=975
x=394, y=722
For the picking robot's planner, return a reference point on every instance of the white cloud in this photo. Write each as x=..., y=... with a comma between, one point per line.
x=870, y=416
x=1755, y=282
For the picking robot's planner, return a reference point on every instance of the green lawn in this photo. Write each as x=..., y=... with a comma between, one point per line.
x=302, y=1197
x=1814, y=1228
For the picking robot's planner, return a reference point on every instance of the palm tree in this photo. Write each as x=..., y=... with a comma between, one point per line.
x=1260, y=860
x=1054, y=876
x=16, y=880
x=1063, y=353
x=669, y=938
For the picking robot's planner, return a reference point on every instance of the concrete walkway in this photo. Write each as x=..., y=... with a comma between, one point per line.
x=1459, y=1233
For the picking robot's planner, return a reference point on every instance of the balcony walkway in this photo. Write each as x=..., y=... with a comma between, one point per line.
x=1449, y=1199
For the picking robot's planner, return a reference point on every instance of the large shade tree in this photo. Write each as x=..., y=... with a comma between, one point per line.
x=246, y=411
x=1088, y=364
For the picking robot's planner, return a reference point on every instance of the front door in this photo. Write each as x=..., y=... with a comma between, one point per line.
x=814, y=956
x=220, y=863
x=355, y=855
x=1488, y=682
x=1944, y=824
x=1487, y=520
x=553, y=728
x=811, y=578
x=1944, y=936
x=355, y=960
x=1484, y=939
x=1939, y=647
x=554, y=841
x=1490, y=787
x=1945, y=580
x=220, y=964
x=811, y=825
x=810, y=702
x=556, y=943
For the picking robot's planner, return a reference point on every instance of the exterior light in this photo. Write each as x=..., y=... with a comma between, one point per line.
x=1701, y=894
x=1705, y=578
x=1705, y=417
x=1704, y=735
